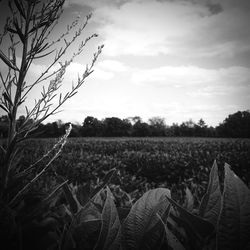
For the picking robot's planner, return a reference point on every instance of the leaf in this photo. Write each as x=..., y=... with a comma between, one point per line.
x=19, y=31
x=172, y=241
x=189, y=200
x=123, y=212
x=67, y=241
x=12, y=30
x=175, y=224
x=91, y=225
x=4, y=108
x=7, y=98
x=89, y=212
x=83, y=193
x=109, y=237
x=44, y=55
x=137, y=228
x=28, y=213
x=199, y=226
x=211, y=201
x=157, y=231
x=38, y=26
x=106, y=180
x=99, y=200
x=7, y=61
x=20, y=8
x=74, y=206
x=234, y=219
x=86, y=233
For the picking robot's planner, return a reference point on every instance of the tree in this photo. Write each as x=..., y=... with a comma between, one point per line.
x=175, y=129
x=135, y=119
x=187, y=128
x=201, y=123
x=158, y=126
x=27, y=31
x=200, y=129
x=52, y=130
x=76, y=130
x=91, y=127
x=127, y=126
x=141, y=129
x=235, y=125
x=115, y=127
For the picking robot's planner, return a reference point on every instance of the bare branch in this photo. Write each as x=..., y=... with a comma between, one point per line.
x=29, y=27
x=20, y=8
x=59, y=55
x=22, y=191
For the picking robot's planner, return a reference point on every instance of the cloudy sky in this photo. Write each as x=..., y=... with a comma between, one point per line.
x=178, y=59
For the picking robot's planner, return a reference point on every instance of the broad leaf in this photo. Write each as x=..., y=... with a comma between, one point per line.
x=156, y=231
x=105, y=181
x=211, y=201
x=86, y=234
x=99, y=200
x=173, y=242
x=174, y=224
x=123, y=212
x=142, y=228
x=189, y=200
x=71, y=199
x=109, y=235
x=90, y=225
x=83, y=193
x=234, y=219
x=200, y=227
x=89, y=212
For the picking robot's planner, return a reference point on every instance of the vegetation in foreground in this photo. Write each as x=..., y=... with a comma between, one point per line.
x=141, y=174
x=50, y=213
x=96, y=213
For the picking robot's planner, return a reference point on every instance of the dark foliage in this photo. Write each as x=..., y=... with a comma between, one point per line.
x=236, y=125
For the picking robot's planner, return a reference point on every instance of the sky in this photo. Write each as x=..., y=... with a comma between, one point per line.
x=177, y=59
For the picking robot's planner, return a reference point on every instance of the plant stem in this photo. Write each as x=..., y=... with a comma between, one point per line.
x=11, y=143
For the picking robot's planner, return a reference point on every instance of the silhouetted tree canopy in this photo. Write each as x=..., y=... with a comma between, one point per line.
x=91, y=127
x=157, y=126
x=235, y=125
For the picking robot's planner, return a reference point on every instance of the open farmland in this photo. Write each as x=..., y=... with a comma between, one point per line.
x=145, y=163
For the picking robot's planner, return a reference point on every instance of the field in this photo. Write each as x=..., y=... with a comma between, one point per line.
x=144, y=163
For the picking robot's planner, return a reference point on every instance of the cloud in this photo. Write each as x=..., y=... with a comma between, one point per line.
x=72, y=72
x=99, y=72
x=112, y=65
x=195, y=82
x=182, y=28
x=192, y=75
x=214, y=8
x=36, y=69
x=177, y=111
x=168, y=75
x=145, y=28
x=106, y=69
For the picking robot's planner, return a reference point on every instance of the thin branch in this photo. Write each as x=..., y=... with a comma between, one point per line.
x=22, y=191
x=59, y=55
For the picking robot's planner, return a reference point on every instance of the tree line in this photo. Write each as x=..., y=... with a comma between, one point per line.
x=236, y=125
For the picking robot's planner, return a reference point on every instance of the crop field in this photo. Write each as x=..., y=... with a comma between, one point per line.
x=144, y=163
